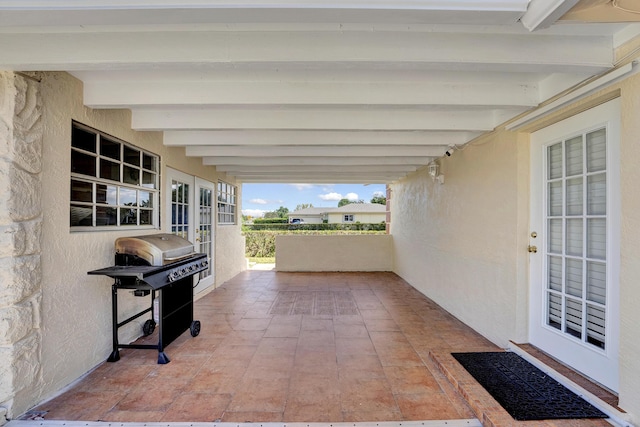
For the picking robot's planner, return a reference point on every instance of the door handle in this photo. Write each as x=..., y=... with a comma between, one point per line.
x=532, y=249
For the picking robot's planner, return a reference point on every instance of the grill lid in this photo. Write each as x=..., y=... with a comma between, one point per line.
x=156, y=249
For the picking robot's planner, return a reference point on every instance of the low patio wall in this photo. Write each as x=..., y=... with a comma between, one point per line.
x=334, y=253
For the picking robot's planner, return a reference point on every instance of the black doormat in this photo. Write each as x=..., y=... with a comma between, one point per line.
x=523, y=390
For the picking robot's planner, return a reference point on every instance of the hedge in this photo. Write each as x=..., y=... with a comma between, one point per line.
x=356, y=226
x=263, y=243
x=270, y=220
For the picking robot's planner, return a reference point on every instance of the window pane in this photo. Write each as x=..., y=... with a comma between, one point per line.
x=555, y=236
x=573, y=319
x=554, y=158
x=574, y=237
x=597, y=151
x=107, y=194
x=131, y=175
x=81, y=191
x=555, y=198
x=597, y=238
x=109, y=148
x=145, y=199
x=596, y=323
x=148, y=162
x=597, y=282
x=574, y=156
x=109, y=170
x=554, y=307
x=83, y=139
x=83, y=163
x=145, y=217
x=131, y=156
x=574, y=277
x=148, y=180
x=81, y=216
x=555, y=273
x=106, y=215
x=597, y=194
x=128, y=197
x=574, y=196
x=128, y=216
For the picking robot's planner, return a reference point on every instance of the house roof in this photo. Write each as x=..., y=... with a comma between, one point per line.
x=309, y=212
x=310, y=91
x=361, y=208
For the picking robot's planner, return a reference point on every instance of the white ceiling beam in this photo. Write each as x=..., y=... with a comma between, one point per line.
x=314, y=168
x=317, y=137
x=316, y=150
x=316, y=119
x=320, y=180
x=135, y=94
x=144, y=49
x=151, y=12
x=460, y=5
x=544, y=13
x=316, y=160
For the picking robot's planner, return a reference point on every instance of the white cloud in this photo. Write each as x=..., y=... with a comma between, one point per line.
x=258, y=201
x=378, y=194
x=302, y=186
x=351, y=196
x=256, y=213
x=331, y=196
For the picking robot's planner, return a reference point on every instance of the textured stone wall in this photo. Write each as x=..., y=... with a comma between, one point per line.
x=20, y=230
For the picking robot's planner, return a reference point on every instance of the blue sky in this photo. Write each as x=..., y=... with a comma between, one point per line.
x=260, y=198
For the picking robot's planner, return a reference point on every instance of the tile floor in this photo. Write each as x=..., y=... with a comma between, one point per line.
x=292, y=347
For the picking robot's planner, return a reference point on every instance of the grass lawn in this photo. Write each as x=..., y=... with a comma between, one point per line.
x=266, y=260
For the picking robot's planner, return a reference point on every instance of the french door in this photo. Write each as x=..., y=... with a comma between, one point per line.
x=192, y=214
x=575, y=221
x=204, y=229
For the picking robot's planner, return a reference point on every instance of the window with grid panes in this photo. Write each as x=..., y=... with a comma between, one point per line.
x=113, y=184
x=226, y=203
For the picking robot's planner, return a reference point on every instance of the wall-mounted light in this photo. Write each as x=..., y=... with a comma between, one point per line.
x=434, y=172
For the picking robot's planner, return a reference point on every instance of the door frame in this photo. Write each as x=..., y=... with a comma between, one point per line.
x=601, y=365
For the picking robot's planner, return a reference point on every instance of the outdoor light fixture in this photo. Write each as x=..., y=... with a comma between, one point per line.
x=434, y=172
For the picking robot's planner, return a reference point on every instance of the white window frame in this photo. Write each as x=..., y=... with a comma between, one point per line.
x=227, y=203
x=113, y=189
x=347, y=218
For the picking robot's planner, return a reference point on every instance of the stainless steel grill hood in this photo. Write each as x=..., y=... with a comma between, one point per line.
x=155, y=249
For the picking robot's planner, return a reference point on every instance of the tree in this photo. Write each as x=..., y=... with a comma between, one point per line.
x=303, y=206
x=379, y=199
x=281, y=212
x=343, y=202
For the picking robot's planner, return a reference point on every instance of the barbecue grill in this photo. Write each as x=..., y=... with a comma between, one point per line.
x=163, y=266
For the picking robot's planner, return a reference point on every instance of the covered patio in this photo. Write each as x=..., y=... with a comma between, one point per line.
x=298, y=347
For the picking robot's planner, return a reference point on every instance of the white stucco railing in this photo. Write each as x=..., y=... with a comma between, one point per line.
x=334, y=253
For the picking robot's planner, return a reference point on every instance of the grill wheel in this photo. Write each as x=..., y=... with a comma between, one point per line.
x=195, y=328
x=148, y=327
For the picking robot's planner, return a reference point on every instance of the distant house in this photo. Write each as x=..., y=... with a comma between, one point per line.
x=309, y=215
x=364, y=213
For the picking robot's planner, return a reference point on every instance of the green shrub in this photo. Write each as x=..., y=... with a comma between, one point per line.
x=262, y=243
x=315, y=227
x=270, y=221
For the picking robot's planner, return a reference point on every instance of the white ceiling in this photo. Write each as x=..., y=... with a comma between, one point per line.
x=310, y=90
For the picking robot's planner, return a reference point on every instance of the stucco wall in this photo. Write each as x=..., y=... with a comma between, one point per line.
x=460, y=242
x=463, y=243
x=230, y=252
x=629, y=249
x=76, y=308
x=334, y=253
